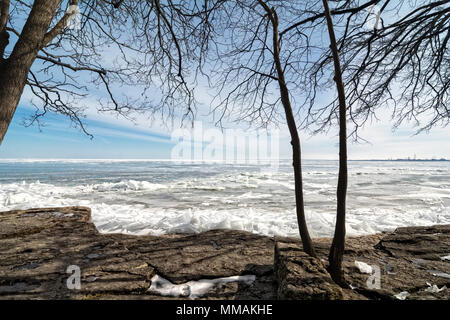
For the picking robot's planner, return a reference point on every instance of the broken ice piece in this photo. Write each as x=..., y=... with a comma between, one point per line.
x=447, y=257
x=363, y=267
x=434, y=288
x=402, y=295
x=192, y=289
x=438, y=273
x=164, y=287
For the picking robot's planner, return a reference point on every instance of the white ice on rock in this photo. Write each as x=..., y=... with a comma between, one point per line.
x=440, y=274
x=192, y=289
x=402, y=295
x=447, y=257
x=363, y=267
x=434, y=288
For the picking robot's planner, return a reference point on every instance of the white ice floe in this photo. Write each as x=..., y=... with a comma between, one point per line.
x=447, y=257
x=192, y=289
x=147, y=197
x=402, y=295
x=363, y=267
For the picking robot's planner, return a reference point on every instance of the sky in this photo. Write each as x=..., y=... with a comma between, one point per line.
x=119, y=138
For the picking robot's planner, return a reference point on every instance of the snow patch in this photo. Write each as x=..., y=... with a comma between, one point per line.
x=447, y=257
x=363, y=267
x=434, y=288
x=192, y=289
x=440, y=274
x=402, y=295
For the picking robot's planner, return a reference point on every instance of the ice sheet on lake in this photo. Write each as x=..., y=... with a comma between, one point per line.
x=150, y=197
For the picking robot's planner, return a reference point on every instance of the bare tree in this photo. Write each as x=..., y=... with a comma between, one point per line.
x=395, y=56
x=338, y=244
x=256, y=74
x=280, y=49
x=266, y=58
x=155, y=44
x=295, y=139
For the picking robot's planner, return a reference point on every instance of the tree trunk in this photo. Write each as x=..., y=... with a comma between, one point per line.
x=295, y=139
x=15, y=69
x=337, y=247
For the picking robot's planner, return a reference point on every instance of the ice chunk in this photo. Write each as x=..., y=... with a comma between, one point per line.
x=165, y=288
x=438, y=273
x=434, y=288
x=192, y=289
x=363, y=267
x=447, y=257
x=402, y=295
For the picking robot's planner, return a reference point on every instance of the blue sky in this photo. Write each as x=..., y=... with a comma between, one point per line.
x=117, y=138
x=59, y=139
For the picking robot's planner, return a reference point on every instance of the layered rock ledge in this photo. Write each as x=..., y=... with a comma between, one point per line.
x=410, y=263
x=40, y=247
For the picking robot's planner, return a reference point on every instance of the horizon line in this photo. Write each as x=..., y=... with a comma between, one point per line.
x=205, y=160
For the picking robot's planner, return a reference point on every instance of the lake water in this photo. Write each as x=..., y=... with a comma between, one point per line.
x=158, y=197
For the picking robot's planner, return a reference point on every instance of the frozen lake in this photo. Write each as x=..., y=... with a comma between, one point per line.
x=158, y=197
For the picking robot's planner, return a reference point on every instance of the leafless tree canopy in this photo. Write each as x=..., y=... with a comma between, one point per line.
x=268, y=54
x=402, y=63
x=243, y=68
x=395, y=55
x=155, y=44
x=268, y=60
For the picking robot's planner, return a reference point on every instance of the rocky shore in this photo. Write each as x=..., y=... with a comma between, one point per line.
x=39, y=249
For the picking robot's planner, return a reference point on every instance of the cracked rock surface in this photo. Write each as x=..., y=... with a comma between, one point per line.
x=410, y=259
x=37, y=247
x=42, y=249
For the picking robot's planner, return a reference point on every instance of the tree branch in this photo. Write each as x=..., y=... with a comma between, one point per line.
x=66, y=65
x=4, y=35
x=333, y=12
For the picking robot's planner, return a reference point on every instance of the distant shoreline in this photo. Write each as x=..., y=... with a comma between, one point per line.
x=406, y=160
x=6, y=160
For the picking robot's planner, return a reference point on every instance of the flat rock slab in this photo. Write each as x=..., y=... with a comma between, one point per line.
x=39, y=249
x=42, y=249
